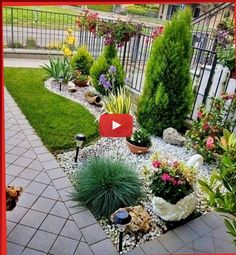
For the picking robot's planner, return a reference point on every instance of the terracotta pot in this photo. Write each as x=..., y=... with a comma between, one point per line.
x=81, y=83
x=136, y=149
x=94, y=100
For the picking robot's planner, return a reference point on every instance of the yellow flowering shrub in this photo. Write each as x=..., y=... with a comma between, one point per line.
x=69, y=44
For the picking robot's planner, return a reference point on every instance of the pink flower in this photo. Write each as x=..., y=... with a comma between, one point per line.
x=199, y=114
x=175, y=182
x=165, y=177
x=205, y=126
x=210, y=142
x=156, y=163
x=179, y=182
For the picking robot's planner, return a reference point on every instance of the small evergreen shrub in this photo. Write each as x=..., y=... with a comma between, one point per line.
x=167, y=96
x=31, y=43
x=101, y=66
x=82, y=60
x=105, y=185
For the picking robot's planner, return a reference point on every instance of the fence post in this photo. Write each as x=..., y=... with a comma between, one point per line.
x=123, y=60
x=12, y=32
x=209, y=82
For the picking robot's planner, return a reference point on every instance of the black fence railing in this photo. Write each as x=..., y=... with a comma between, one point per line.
x=46, y=30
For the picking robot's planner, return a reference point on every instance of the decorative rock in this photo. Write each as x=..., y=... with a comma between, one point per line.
x=71, y=87
x=195, y=161
x=171, y=135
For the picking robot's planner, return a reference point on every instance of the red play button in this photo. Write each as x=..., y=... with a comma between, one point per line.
x=116, y=125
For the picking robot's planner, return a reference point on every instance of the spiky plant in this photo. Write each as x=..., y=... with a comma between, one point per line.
x=106, y=185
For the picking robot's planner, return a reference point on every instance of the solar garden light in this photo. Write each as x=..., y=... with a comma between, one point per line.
x=79, y=139
x=60, y=79
x=121, y=218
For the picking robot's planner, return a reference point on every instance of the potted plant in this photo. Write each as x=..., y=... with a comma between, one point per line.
x=79, y=79
x=139, y=142
x=172, y=185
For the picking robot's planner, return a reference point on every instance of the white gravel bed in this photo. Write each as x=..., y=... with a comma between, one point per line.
x=77, y=96
x=116, y=148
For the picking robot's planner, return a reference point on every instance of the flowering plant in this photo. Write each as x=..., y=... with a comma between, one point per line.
x=117, y=32
x=140, y=138
x=171, y=180
x=206, y=131
x=155, y=33
x=69, y=44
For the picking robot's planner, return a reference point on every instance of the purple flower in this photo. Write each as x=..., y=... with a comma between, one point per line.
x=112, y=69
x=105, y=83
x=127, y=81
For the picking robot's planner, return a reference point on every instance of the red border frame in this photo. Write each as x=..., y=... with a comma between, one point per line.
x=2, y=139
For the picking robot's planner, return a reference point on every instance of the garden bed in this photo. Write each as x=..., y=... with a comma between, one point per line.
x=117, y=149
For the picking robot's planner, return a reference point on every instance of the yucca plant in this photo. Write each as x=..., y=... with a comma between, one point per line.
x=118, y=103
x=106, y=185
x=53, y=69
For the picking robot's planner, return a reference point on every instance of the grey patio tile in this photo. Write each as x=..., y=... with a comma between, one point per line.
x=71, y=230
x=65, y=194
x=154, y=247
x=36, y=165
x=205, y=244
x=83, y=249
x=42, y=241
x=20, y=135
x=75, y=207
x=56, y=173
x=9, y=178
x=29, y=154
x=223, y=246
x=28, y=174
x=212, y=220
x=22, y=161
x=10, y=158
x=43, y=178
x=185, y=233
x=14, y=170
x=136, y=251
x=43, y=204
x=25, y=144
x=53, y=224
x=62, y=183
x=60, y=210
x=33, y=218
x=29, y=251
x=84, y=219
x=199, y=226
x=20, y=182
x=14, y=249
x=170, y=241
x=18, y=151
x=10, y=226
x=93, y=234
x=21, y=234
x=27, y=199
x=8, y=147
x=36, y=188
x=50, y=192
x=32, y=137
x=45, y=157
x=17, y=214
x=220, y=233
x=13, y=141
x=64, y=245
x=29, y=132
x=35, y=143
x=25, y=126
x=187, y=249
x=48, y=165
x=40, y=150
x=105, y=245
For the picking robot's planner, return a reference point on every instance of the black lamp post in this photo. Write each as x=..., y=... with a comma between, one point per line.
x=60, y=79
x=79, y=138
x=121, y=218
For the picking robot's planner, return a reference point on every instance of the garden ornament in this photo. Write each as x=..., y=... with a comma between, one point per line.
x=195, y=161
x=12, y=196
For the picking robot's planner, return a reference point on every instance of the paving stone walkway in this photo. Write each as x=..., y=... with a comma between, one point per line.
x=45, y=221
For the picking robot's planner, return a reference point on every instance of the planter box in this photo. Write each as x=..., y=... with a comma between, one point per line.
x=175, y=212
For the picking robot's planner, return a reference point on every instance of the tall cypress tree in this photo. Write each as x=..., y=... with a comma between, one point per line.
x=167, y=96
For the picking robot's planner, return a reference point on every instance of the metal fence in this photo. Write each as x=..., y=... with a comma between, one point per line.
x=43, y=30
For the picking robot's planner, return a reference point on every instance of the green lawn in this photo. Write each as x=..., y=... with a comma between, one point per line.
x=55, y=119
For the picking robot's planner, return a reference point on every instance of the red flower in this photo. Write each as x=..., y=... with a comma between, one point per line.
x=199, y=114
x=165, y=177
x=156, y=163
x=210, y=142
x=175, y=182
x=205, y=126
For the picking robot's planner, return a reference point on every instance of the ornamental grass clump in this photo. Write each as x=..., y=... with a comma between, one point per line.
x=106, y=185
x=167, y=95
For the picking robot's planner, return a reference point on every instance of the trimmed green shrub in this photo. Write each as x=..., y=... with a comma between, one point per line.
x=82, y=60
x=105, y=185
x=167, y=96
x=101, y=66
x=101, y=7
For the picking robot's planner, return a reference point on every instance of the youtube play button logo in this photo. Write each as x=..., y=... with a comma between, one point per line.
x=116, y=125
